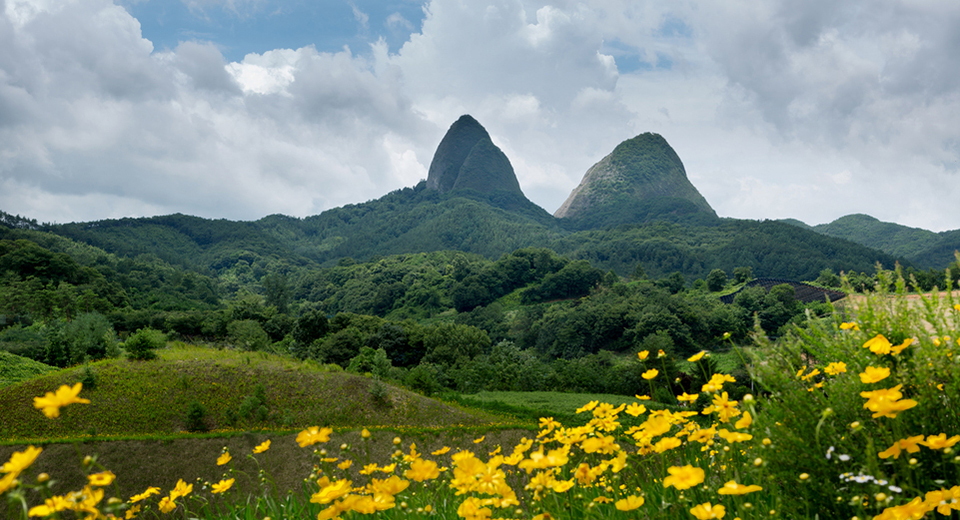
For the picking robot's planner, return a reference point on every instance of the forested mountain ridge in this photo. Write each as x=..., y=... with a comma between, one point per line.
x=417, y=220
x=922, y=247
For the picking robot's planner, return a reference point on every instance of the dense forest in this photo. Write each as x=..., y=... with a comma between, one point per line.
x=531, y=319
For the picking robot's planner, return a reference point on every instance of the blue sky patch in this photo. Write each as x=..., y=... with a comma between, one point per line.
x=276, y=24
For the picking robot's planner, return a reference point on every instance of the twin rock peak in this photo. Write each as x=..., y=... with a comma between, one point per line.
x=639, y=175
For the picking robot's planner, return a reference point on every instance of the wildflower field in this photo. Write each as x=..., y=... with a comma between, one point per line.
x=851, y=416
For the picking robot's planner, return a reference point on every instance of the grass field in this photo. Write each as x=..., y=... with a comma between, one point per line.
x=533, y=405
x=236, y=390
x=14, y=369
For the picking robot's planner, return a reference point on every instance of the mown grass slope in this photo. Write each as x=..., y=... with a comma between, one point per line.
x=152, y=398
x=14, y=368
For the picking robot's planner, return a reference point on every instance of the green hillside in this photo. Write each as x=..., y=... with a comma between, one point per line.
x=897, y=240
x=245, y=391
x=14, y=369
x=924, y=248
x=417, y=220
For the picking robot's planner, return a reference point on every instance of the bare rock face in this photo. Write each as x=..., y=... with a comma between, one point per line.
x=641, y=171
x=468, y=160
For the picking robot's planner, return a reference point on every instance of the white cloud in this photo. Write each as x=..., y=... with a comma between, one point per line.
x=778, y=109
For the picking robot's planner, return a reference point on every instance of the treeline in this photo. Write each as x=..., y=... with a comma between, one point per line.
x=529, y=320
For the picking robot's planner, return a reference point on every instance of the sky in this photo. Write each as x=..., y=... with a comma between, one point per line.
x=239, y=109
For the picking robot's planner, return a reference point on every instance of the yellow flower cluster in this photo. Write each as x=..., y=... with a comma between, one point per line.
x=608, y=464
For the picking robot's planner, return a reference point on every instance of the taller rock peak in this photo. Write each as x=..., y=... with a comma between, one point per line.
x=467, y=159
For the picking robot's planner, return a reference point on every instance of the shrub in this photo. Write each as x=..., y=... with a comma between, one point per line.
x=369, y=360
x=196, y=415
x=141, y=344
x=247, y=335
x=716, y=280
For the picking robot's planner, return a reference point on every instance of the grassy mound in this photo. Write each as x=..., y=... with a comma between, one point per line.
x=224, y=390
x=14, y=368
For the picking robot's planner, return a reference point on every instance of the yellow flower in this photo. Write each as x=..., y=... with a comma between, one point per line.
x=636, y=410
x=666, y=443
x=331, y=492
x=874, y=374
x=942, y=500
x=365, y=433
x=345, y=464
x=913, y=509
x=166, y=505
x=262, y=447
x=478, y=441
x=587, y=407
x=899, y=348
x=687, y=398
x=911, y=444
x=104, y=478
x=706, y=511
x=661, y=353
x=939, y=442
x=723, y=406
x=560, y=486
x=696, y=357
x=421, y=470
x=223, y=458
x=8, y=482
x=650, y=374
x=146, y=494
x=19, y=461
x=222, y=486
x=313, y=435
x=50, y=506
x=50, y=403
x=732, y=488
x=879, y=345
x=643, y=397
x=715, y=384
x=744, y=422
x=603, y=444
x=733, y=437
x=629, y=504
x=837, y=367
x=132, y=512
x=388, y=486
x=683, y=477
x=886, y=402
x=441, y=451
x=472, y=508
x=643, y=354
x=849, y=325
x=182, y=489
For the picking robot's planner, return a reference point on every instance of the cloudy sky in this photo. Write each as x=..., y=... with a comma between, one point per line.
x=239, y=109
